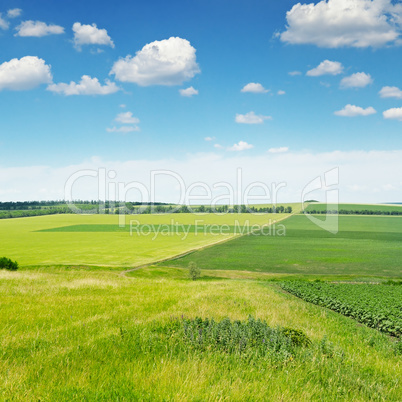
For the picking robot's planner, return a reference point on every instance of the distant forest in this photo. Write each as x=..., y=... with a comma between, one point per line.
x=22, y=209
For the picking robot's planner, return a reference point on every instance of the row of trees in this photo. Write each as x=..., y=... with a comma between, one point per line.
x=184, y=209
x=353, y=212
x=110, y=207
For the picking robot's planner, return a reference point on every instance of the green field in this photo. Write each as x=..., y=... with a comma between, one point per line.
x=378, y=306
x=98, y=240
x=74, y=326
x=93, y=335
x=363, y=246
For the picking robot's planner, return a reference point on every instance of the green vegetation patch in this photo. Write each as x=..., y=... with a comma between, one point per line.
x=378, y=306
x=242, y=338
x=364, y=245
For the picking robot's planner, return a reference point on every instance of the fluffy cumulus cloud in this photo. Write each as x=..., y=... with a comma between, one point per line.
x=394, y=113
x=128, y=123
x=167, y=62
x=14, y=13
x=353, y=111
x=3, y=23
x=251, y=118
x=254, y=87
x=338, y=23
x=127, y=118
x=357, y=80
x=240, y=146
x=38, y=29
x=391, y=92
x=279, y=150
x=326, y=67
x=90, y=35
x=188, y=92
x=25, y=73
x=87, y=86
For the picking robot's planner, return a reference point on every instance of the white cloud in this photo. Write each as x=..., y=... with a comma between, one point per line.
x=240, y=146
x=358, y=170
x=3, y=23
x=391, y=92
x=279, y=150
x=280, y=92
x=338, y=23
x=90, y=35
x=188, y=92
x=353, y=111
x=87, y=86
x=218, y=146
x=326, y=67
x=38, y=29
x=251, y=118
x=394, y=113
x=123, y=106
x=123, y=129
x=25, y=73
x=254, y=87
x=167, y=62
x=127, y=118
x=209, y=138
x=293, y=73
x=14, y=13
x=357, y=80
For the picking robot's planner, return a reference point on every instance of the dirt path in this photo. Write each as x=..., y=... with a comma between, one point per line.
x=175, y=257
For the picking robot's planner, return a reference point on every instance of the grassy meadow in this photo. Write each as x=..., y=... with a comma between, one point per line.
x=80, y=322
x=93, y=335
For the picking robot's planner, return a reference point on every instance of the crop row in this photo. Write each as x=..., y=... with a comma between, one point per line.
x=377, y=306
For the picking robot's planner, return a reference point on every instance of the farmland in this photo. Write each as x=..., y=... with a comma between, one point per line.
x=98, y=239
x=363, y=246
x=74, y=325
x=378, y=306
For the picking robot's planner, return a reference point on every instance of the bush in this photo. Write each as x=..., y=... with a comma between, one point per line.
x=252, y=336
x=193, y=271
x=6, y=263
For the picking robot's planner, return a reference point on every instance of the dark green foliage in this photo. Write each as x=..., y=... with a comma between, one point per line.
x=240, y=337
x=6, y=263
x=377, y=306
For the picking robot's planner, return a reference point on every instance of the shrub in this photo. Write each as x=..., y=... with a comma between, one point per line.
x=242, y=337
x=6, y=263
x=193, y=271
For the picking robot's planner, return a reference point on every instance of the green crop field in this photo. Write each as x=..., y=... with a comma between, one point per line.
x=363, y=246
x=378, y=306
x=98, y=239
x=75, y=327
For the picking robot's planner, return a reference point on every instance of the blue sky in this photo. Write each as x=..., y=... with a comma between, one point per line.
x=216, y=48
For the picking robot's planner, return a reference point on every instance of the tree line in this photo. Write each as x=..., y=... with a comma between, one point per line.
x=352, y=212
